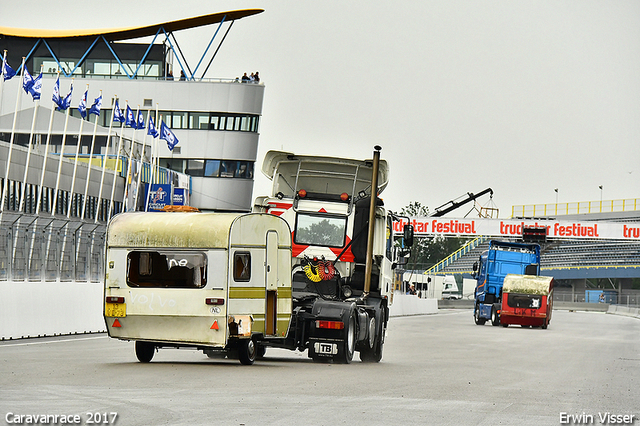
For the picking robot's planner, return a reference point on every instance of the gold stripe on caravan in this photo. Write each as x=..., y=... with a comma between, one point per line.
x=284, y=292
x=256, y=293
x=247, y=293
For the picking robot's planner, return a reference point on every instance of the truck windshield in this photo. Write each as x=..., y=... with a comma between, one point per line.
x=320, y=230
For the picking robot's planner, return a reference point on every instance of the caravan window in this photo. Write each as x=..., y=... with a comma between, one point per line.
x=164, y=269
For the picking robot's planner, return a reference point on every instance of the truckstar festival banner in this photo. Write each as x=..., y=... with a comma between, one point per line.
x=558, y=229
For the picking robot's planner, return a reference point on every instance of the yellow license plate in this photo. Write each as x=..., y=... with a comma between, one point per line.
x=115, y=310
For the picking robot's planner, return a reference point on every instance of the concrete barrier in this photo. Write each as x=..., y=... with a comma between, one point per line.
x=404, y=305
x=624, y=310
x=33, y=309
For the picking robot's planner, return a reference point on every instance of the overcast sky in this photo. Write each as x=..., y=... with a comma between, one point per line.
x=520, y=96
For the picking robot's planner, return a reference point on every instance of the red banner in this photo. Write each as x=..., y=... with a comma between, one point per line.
x=558, y=229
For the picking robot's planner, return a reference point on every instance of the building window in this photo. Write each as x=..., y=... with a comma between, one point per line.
x=195, y=167
x=212, y=168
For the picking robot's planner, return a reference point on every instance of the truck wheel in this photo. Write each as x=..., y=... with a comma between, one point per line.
x=144, y=351
x=247, y=352
x=476, y=317
x=349, y=340
x=375, y=354
x=261, y=351
x=495, y=317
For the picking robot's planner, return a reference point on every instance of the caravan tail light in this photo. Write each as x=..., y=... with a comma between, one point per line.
x=214, y=301
x=330, y=325
x=114, y=299
x=302, y=193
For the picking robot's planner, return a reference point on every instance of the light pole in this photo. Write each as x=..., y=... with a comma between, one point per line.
x=600, y=198
x=556, y=195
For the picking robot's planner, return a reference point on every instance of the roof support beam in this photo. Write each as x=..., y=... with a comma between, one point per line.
x=117, y=58
x=207, y=49
x=146, y=54
x=55, y=58
x=216, y=52
x=85, y=55
x=29, y=55
x=182, y=55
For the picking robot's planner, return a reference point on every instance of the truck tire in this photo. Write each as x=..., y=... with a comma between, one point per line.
x=349, y=339
x=374, y=354
x=144, y=351
x=261, y=351
x=476, y=317
x=247, y=352
x=495, y=317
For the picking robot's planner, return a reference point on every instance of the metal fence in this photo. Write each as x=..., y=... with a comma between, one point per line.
x=630, y=298
x=50, y=249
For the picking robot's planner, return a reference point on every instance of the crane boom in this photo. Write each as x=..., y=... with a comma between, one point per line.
x=455, y=204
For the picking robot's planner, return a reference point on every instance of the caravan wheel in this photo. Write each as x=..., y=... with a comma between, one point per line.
x=247, y=352
x=144, y=351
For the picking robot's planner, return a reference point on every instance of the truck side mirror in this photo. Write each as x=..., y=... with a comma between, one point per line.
x=408, y=235
x=475, y=270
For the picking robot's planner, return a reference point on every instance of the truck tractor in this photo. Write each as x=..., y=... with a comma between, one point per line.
x=343, y=256
x=500, y=259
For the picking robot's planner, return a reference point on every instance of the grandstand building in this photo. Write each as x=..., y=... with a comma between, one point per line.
x=579, y=266
x=62, y=176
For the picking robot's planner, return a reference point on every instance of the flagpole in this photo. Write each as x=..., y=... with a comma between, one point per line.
x=127, y=184
x=105, y=157
x=64, y=139
x=75, y=164
x=93, y=143
x=115, y=173
x=153, y=160
x=46, y=154
x=141, y=167
x=26, y=169
x=13, y=132
x=4, y=59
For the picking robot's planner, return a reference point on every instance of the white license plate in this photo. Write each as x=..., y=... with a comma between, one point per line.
x=326, y=348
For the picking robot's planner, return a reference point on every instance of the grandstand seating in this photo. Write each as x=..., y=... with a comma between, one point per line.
x=576, y=254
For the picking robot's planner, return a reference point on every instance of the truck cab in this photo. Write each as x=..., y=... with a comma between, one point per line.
x=500, y=259
x=340, y=304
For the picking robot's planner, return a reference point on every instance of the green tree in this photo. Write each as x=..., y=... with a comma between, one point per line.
x=426, y=252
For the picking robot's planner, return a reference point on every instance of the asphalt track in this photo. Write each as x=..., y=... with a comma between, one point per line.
x=437, y=370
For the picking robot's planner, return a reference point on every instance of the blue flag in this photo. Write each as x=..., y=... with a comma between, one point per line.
x=130, y=120
x=140, y=124
x=36, y=88
x=8, y=71
x=97, y=104
x=56, y=92
x=66, y=102
x=27, y=80
x=167, y=135
x=117, y=113
x=82, y=107
x=152, y=131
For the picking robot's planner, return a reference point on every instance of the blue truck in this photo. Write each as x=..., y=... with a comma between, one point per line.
x=500, y=259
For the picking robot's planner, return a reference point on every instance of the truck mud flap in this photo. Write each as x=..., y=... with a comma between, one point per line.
x=325, y=348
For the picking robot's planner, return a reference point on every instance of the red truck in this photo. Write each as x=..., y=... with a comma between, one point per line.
x=527, y=300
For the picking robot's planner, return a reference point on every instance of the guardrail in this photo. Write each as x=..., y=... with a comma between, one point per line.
x=580, y=207
x=456, y=255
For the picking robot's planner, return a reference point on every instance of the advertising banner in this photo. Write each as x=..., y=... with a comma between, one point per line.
x=556, y=229
x=180, y=197
x=160, y=196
